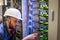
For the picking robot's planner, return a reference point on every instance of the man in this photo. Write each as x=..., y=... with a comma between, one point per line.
x=8, y=27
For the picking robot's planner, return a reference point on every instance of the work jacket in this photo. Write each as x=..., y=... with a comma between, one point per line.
x=5, y=34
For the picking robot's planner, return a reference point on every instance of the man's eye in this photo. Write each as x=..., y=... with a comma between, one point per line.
x=16, y=21
x=19, y=21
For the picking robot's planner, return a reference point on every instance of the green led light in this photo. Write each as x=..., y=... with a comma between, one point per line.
x=41, y=6
x=46, y=31
x=41, y=22
x=47, y=6
x=41, y=29
x=42, y=15
x=41, y=36
x=42, y=0
x=45, y=38
x=46, y=15
x=46, y=23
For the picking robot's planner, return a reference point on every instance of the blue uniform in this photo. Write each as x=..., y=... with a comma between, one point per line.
x=6, y=35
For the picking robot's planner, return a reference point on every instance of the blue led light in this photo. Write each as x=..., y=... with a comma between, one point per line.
x=31, y=12
x=31, y=6
x=33, y=0
x=30, y=23
x=30, y=18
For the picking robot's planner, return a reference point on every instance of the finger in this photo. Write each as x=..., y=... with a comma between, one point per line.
x=31, y=36
x=35, y=34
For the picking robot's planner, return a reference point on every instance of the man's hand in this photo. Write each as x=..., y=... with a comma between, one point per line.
x=31, y=36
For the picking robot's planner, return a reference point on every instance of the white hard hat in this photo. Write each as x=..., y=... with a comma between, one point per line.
x=13, y=12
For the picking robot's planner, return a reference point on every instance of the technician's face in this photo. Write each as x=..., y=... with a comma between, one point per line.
x=13, y=22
